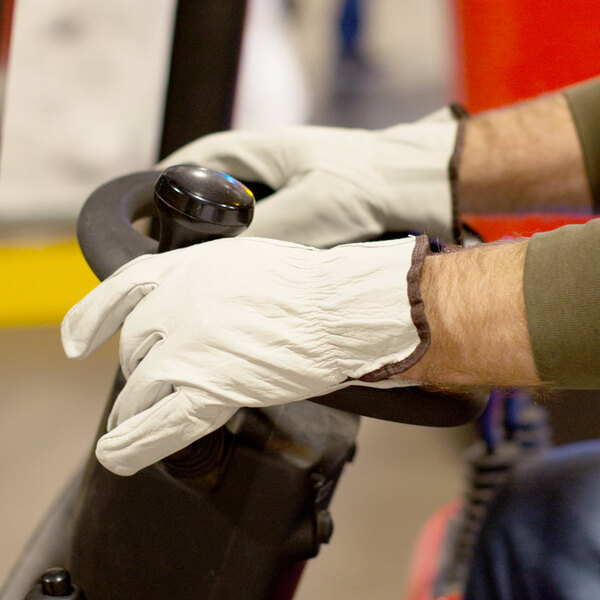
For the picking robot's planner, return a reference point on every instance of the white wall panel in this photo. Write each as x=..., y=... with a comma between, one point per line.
x=84, y=100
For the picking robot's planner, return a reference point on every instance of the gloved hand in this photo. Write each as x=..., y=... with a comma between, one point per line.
x=340, y=185
x=243, y=322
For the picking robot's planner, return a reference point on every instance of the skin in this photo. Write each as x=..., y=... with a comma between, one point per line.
x=475, y=308
x=523, y=158
x=511, y=160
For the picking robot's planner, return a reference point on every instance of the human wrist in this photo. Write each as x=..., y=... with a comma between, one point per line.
x=525, y=157
x=475, y=309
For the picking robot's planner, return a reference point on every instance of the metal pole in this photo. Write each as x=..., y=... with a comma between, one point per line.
x=204, y=63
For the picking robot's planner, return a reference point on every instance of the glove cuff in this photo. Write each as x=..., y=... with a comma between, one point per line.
x=417, y=313
x=422, y=159
x=368, y=306
x=461, y=115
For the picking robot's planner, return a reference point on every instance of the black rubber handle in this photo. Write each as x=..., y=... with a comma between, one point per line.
x=104, y=228
x=108, y=240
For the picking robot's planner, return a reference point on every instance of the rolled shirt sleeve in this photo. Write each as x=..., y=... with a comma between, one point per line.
x=562, y=302
x=584, y=103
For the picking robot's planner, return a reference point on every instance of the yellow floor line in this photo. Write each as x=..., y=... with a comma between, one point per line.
x=40, y=283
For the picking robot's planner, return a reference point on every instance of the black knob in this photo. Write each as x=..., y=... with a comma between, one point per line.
x=56, y=582
x=197, y=204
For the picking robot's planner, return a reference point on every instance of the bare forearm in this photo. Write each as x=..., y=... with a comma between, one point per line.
x=539, y=155
x=525, y=157
x=475, y=309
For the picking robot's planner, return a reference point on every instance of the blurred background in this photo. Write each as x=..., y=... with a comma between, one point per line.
x=82, y=92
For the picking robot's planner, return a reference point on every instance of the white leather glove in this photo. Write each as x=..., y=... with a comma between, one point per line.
x=340, y=185
x=243, y=322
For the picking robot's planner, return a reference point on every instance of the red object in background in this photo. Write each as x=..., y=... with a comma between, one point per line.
x=495, y=227
x=427, y=554
x=509, y=50
x=6, y=14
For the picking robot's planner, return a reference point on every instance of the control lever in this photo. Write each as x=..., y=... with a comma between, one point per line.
x=243, y=508
x=194, y=205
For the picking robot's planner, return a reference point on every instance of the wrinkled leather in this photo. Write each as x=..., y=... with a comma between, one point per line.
x=335, y=185
x=239, y=322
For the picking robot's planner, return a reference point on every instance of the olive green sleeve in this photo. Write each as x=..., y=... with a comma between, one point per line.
x=562, y=302
x=584, y=103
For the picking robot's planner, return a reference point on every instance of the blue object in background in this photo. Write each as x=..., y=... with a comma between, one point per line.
x=541, y=537
x=350, y=25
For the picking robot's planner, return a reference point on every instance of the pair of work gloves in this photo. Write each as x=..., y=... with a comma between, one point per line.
x=284, y=312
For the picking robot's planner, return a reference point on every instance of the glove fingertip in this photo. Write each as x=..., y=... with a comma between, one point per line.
x=112, y=460
x=72, y=346
x=74, y=349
